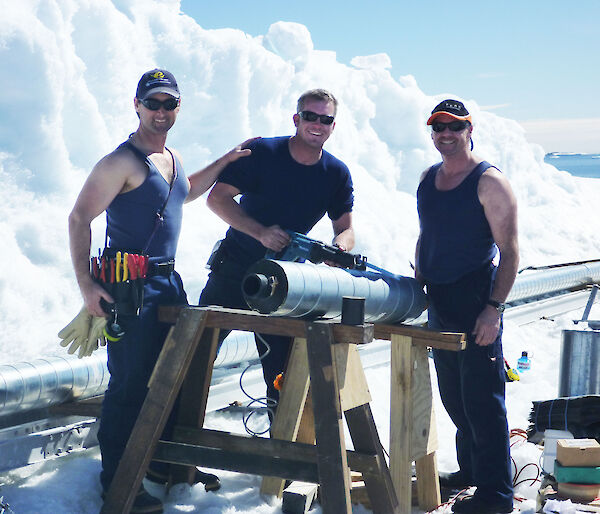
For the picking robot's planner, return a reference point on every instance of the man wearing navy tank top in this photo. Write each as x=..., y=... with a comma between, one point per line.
x=287, y=183
x=133, y=184
x=468, y=213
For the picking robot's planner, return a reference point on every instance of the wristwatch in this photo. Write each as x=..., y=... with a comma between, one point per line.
x=498, y=305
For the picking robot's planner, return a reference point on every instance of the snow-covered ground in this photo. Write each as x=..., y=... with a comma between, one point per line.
x=70, y=484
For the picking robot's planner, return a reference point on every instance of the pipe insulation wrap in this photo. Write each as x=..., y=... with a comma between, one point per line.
x=303, y=290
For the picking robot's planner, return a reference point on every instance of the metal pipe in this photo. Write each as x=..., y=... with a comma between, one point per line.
x=538, y=283
x=302, y=290
x=49, y=381
x=44, y=382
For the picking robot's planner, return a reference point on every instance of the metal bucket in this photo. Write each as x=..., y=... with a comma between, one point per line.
x=579, y=363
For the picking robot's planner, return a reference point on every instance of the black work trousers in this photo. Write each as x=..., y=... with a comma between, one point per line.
x=472, y=385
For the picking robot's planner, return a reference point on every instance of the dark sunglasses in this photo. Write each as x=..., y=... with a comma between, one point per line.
x=170, y=104
x=313, y=116
x=454, y=126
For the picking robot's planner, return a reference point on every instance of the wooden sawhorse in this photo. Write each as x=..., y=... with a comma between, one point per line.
x=413, y=435
x=185, y=364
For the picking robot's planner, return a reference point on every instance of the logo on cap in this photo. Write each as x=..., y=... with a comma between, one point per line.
x=157, y=81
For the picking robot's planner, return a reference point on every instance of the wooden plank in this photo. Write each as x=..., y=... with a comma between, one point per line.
x=333, y=467
x=243, y=444
x=365, y=438
x=401, y=418
x=354, y=390
x=239, y=462
x=424, y=431
x=306, y=430
x=289, y=411
x=236, y=319
x=167, y=377
x=194, y=396
x=428, y=484
x=298, y=497
x=423, y=336
x=358, y=494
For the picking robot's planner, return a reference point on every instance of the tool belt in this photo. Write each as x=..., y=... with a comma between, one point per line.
x=217, y=256
x=163, y=269
x=123, y=276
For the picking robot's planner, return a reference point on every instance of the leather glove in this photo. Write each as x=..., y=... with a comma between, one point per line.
x=76, y=333
x=96, y=335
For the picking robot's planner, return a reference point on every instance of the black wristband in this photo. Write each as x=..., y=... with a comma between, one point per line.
x=497, y=305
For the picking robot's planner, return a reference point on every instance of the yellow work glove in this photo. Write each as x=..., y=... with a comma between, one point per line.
x=76, y=333
x=96, y=335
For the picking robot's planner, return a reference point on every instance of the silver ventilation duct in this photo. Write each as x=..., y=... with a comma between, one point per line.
x=538, y=283
x=49, y=381
x=302, y=290
x=44, y=382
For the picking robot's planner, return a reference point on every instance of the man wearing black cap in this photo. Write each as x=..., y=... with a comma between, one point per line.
x=142, y=187
x=468, y=213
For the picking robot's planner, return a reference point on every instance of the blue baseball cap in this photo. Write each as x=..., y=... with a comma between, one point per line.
x=157, y=81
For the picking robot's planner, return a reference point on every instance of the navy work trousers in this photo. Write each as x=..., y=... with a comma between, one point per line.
x=224, y=289
x=131, y=361
x=472, y=384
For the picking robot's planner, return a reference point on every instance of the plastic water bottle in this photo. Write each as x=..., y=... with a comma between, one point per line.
x=523, y=364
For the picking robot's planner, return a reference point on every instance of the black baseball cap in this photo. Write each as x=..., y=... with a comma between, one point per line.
x=157, y=81
x=452, y=108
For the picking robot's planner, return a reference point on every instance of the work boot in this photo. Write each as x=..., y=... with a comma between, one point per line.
x=475, y=505
x=457, y=480
x=144, y=503
x=211, y=482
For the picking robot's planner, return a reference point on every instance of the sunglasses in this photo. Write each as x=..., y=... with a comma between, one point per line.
x=170, y=104
x=313, y=116
x=454, y=126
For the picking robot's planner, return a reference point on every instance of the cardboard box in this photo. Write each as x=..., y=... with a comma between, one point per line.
x=578, y=452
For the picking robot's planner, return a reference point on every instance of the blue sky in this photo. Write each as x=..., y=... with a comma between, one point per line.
x=533, y=61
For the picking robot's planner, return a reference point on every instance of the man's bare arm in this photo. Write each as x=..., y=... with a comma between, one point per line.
x=343, y=232
x=202, y=180
x=221, y=202
x=104, y=183
x=500, y=207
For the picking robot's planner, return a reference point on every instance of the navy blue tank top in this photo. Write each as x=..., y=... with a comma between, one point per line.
x=455, y=235
x=131, y=218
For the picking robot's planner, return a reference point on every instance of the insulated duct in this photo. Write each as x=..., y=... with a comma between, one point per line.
x=44, y=382
x=302, y=290
x=50, y=381
x=538, y=283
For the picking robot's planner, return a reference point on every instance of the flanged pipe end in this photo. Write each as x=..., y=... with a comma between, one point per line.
x=257, y=285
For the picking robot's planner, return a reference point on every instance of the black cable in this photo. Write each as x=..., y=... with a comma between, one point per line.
x=267, y=404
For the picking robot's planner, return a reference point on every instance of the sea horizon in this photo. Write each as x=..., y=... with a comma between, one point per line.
x=577, y=164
